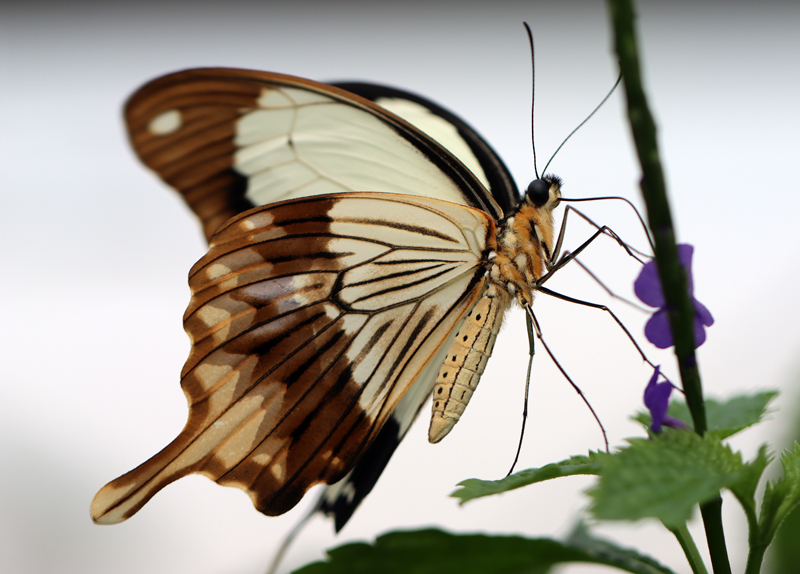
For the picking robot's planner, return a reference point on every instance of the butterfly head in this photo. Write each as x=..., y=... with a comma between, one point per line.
x=544, y=192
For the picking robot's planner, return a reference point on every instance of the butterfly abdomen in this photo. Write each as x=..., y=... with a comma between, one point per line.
x=466, y=360
x=522, y=255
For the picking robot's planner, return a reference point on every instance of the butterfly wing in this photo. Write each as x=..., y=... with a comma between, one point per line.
x=230, y=139
x=451, y=132
x=340, y=500
x=192, y=129
x=309, y=320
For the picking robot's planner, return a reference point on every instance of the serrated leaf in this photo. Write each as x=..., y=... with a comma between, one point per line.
x=781, y=496
x=437, y=552
x=476, y=488
x=786, y=553
x=724, y=418
x=745, y=488
x=581, y=538
x=664, y=477
x=736, y=414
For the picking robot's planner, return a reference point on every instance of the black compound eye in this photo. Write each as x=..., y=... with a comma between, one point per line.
x=539, y=192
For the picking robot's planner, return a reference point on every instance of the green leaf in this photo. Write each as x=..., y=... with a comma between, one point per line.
x=664, y=477
x=786, y=555
x=437, y=552
x=476, y=488
x=724, y=418
x=738, y=413
x=745, y=487
x=622, y=558
x=781, y=496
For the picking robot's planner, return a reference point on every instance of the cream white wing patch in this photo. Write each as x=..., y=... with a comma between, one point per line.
x=304, y=144
x=304, y=339
x=439, y=129
x=231, y=139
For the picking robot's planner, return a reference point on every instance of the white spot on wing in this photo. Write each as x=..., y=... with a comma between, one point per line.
x=216, y=270
x=349, y=492
x=278, y=467
x=262, y=219
x=165, y=123
x=350, y=323
x=209, y=375
x=211, y=315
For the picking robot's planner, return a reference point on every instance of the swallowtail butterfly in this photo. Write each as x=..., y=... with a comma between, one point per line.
x=364, y=244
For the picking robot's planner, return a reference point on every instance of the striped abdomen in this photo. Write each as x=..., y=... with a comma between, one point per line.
x=466, y=361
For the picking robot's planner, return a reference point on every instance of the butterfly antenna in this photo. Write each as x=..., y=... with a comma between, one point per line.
x=533, y=95
x=531, y=353
x=580, y=125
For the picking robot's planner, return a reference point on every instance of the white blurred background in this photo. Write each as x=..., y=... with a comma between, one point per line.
x=96, y=251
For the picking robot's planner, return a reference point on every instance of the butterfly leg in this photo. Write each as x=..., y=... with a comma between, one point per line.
x=563, y=297
x=537, y=330
x=630, y=249
x=607, y=289
x=554, y=263
x=531, y=353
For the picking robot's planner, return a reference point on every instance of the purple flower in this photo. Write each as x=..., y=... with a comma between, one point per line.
x=656, y=399
x=648, y=289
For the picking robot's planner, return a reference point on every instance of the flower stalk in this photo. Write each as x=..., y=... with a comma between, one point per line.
x=673, y=276
x=689, y=549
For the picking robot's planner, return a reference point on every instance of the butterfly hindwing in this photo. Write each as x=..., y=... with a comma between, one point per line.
x=309, y=321
x=196, y=130
x=230, y=139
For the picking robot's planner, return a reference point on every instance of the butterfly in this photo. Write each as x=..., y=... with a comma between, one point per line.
x=364, y=244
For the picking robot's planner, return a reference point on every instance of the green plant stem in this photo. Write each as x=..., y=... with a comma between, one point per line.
x=757, y=548
x=755, y=558
x=715, y=535
x=689, y=549
x=673, y=276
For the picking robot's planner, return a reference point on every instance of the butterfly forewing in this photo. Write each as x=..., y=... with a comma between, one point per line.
x=450, y=131
x=232, y=139
x=309, y=321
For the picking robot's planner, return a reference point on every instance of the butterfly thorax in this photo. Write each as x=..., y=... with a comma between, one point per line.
x=522, y=253
x=525, y=244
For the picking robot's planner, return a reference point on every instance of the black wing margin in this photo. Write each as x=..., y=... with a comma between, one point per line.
x=501, y=184
x=340, y=501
